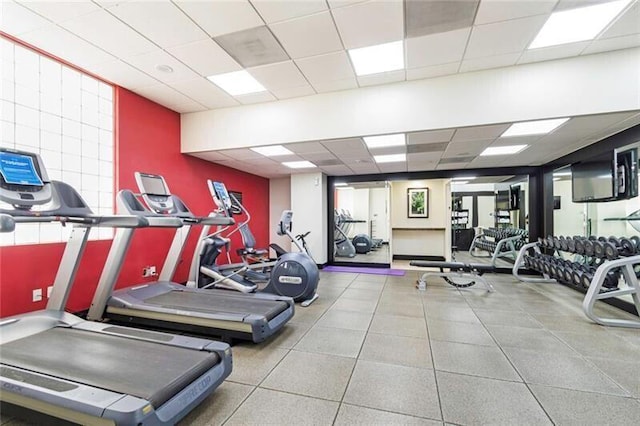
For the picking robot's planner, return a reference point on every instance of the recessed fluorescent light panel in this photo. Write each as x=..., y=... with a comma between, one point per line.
x=377, y=59
x=271, y=151
x=237, y=83
x=584, y=23
x=503, y=150
x=539, y=127
x=298, y=164
x=384, y=141
x=392, y=158
x=463, y=178
x=340, y=184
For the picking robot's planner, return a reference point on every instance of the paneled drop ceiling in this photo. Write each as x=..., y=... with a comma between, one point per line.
x=298, y=48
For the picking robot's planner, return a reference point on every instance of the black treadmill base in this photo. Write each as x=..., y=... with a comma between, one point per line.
x=29, y=417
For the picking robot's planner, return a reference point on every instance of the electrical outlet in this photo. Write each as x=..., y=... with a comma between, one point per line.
x=152, y=271
x=148, y=271
x=37, y=295
x=49, y=290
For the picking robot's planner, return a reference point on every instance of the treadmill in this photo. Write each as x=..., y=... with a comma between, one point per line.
x=167, y=305
x=63, y=366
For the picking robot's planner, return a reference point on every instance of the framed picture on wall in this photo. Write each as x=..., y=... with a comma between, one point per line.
x=418, y=202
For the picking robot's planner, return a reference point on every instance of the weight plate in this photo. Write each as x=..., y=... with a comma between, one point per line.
x=588, y=248
x=598, y=248
x=571, y=245
x=627, y=247
x=610, y=251
x=564, y=244
x=579, y=246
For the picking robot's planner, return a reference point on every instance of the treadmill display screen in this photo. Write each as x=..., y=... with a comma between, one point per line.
x=153, y=185
x=222, y=195
x=18, y=169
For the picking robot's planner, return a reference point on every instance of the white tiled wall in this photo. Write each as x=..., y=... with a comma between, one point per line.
x=65, y=116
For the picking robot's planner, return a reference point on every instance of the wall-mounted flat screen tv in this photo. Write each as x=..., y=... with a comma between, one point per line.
x=595, y=180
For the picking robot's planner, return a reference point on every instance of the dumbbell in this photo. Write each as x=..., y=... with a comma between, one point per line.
x=610, y=280
x=619, y=247
x=636, y=240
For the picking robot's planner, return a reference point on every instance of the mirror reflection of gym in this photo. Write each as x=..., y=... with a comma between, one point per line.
x=361, y=222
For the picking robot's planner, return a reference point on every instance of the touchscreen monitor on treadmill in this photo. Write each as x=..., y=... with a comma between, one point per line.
x=153, y=185
x=19, y=169
x=222, y=196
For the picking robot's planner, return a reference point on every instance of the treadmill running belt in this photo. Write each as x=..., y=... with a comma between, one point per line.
x=215, y=301
x=126, y=366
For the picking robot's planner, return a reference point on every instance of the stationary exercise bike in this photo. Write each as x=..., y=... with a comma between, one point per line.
x=294, y=274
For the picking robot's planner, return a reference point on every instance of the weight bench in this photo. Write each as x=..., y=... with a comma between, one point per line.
x=471, y=271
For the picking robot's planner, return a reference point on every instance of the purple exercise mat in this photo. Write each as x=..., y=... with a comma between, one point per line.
x=357, y=270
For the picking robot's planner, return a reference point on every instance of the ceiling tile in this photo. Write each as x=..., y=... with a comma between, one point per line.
x=370, y=23
x=205, y=57
x=17, y=19
x=436, y=49
x=361, y=168
x=579, y=128
x=484, y=162
x=263, y=162
x=335, y=85
x=488, y=62
x=445, y=165
x=241, y=154
x=479, y=132
x=278, y=76
x=424, y=157
x=329, y=67
x=553, y=52
x=293, y=92
x=163, y=94
x=381, y=78
x=317, y=156
x=427, y=147
x=429, y=136
x=433, y=71
x=627, y=24
x=122, y=74
x=148, y=62
x=337, y=170
x=61, y=43
x=255, y=98
x=389, y=150
x=345, y=145
x=393, y=167
x=308, y=36
x=58, y=11
x=211, y=155
x=221, y=17
x=503, y=10
x=328, y=163
x=162, y=22
x=503, y=37
x=108, y=32
x=421, y=166
x=572, y=4
x=608, y=44
x=516, y=140
x=205, y=92
x=183, y=108
x=307, y=147
x=281, y=10
x=334, y=4
x=437, y=16
x=253, y=47
x=462, y=149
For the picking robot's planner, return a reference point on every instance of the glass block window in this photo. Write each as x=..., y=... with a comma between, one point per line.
x=67, y=117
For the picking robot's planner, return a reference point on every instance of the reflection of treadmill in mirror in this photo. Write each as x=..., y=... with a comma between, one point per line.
x=168, y=305
x=89, y=373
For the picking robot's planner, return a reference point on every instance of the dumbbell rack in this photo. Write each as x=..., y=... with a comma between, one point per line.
x=504, y=248
x=597, y=289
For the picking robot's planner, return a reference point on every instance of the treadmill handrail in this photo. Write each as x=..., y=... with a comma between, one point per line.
x=97, y=221
x=216, y=219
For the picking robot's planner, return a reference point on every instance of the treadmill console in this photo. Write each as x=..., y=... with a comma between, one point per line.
x=221, y=197
x=155, y=193
x=23, y=179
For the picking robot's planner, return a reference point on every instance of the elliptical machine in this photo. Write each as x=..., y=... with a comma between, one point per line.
x=294, y=274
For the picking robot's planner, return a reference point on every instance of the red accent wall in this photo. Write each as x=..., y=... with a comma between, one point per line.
x=147, y=140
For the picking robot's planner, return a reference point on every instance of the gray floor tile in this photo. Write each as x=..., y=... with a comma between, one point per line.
x=475, y=360
x=451, y=331
x=492, y=303
x=311, y=374
x=561, y=371
x=288, y=336
x=398, y=325
x=607, y=346
x=219, y=406
x=345, y=319
x=448, y=313
x=354, y=305
x=310, y=314
x=371, y=278
x=268, y=407
x=564, y=323
x=529, y=338
x=360, y=294
x=354, y=415
x=480, y=401
x=631, y=335
x=332, y=341
x=399, y=350
x=396, y=388
x=367, y=285
x=619, y=372
x=401, y=309
x=570, y=407
x=513, y=319
x=251, y=364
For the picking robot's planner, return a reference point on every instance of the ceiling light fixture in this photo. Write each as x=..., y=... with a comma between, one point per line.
x=271, y=151
x=377, y=59
x=237, y=83
x=584, y=23
x=463, y=178
x=385, y=141
x=538, y=127
x=340, y=184
x=164, y=68
x=503, y=150
x=461, y=182
x=391, y=158
x=299, y=164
